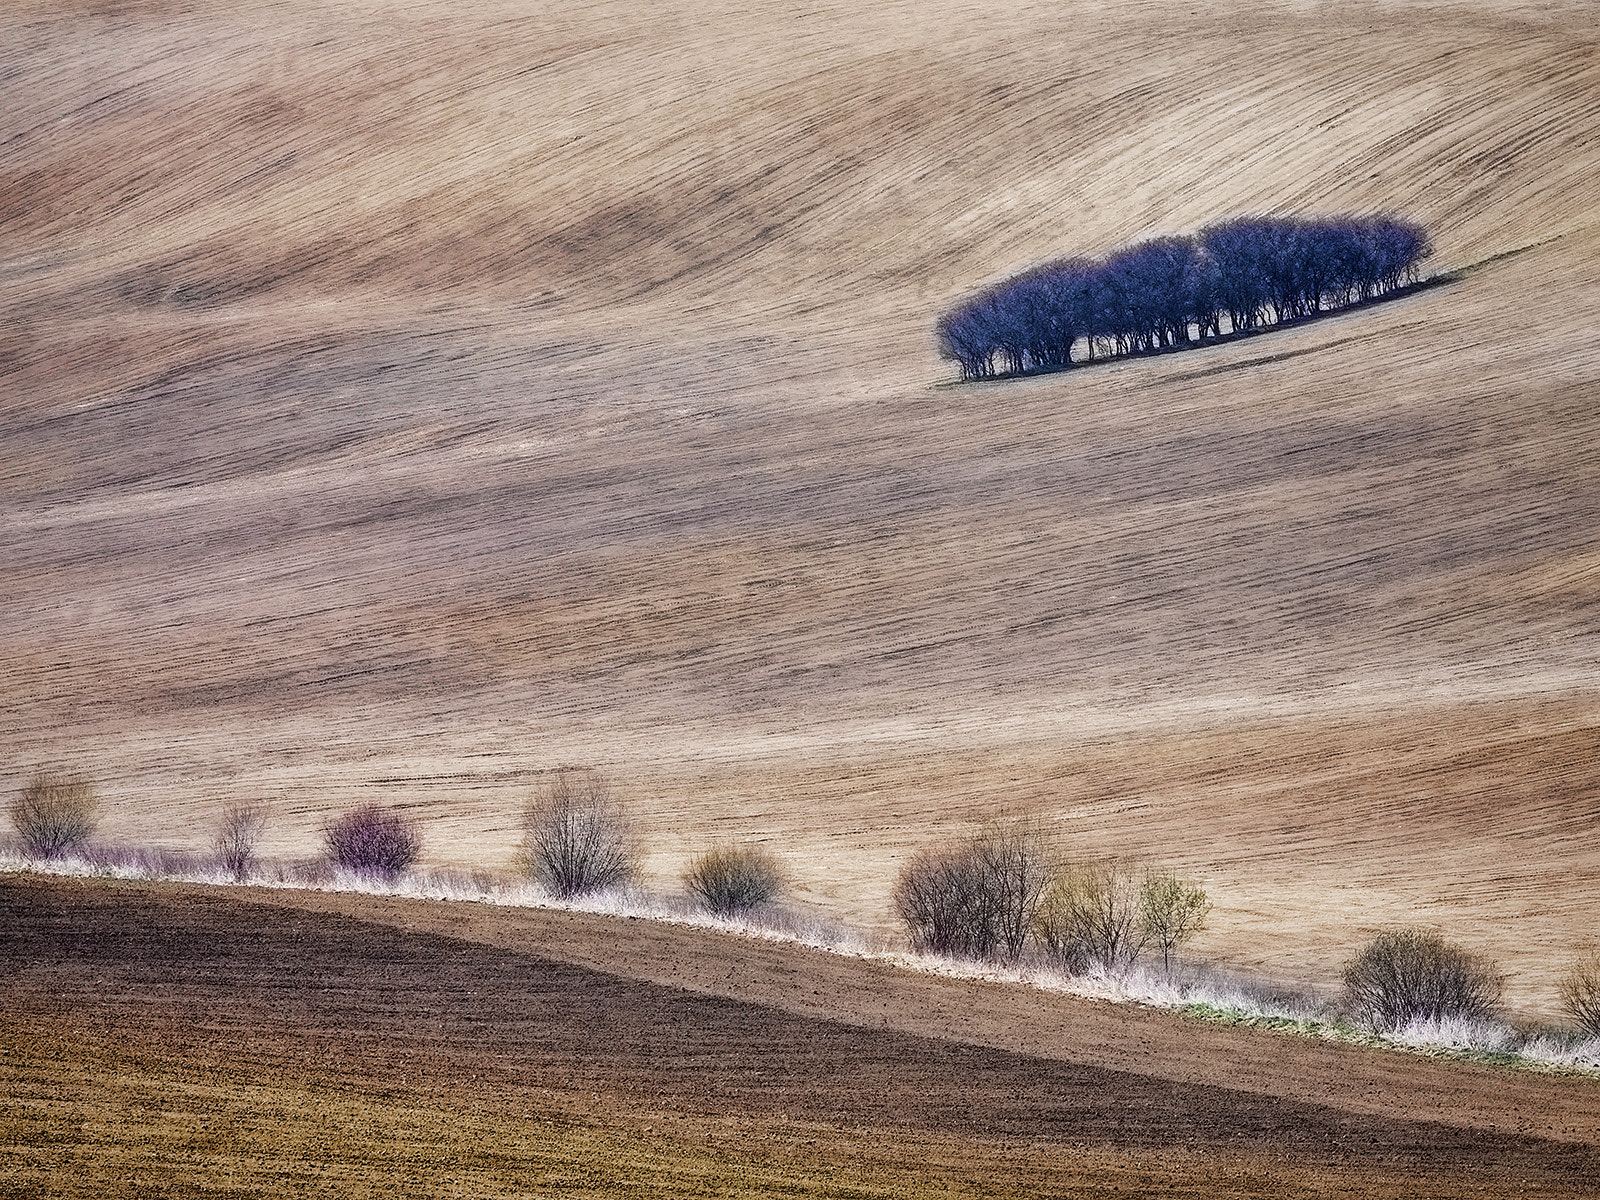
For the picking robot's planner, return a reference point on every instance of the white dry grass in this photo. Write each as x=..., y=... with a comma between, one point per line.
x=1562, y=1052
x=1460, y=1034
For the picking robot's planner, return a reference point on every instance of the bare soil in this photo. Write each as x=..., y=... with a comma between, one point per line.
x=401, y=401
x=637, y=1030
x=404, y=401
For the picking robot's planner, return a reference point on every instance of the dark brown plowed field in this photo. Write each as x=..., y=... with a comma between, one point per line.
x=122, y=1000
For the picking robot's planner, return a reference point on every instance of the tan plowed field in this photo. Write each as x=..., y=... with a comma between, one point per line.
x=401, y=401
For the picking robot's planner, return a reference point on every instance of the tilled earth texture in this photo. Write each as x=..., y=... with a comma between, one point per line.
x=162, y=1039
x=401, y=401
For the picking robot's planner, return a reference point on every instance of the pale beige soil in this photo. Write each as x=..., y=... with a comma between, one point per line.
x=401, y=401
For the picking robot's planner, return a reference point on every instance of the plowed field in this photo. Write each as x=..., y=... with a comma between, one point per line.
x=401, y=401
x=200, y=1042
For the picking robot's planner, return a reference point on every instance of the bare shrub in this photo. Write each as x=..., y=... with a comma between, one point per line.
x=576, y=838
x=976, y=898
x=1580, y=992
x=1406, y=976
x=237, y=836
x=373, y=841
x=937, y=896
x=1171, y=911
x=732, y=880
x=1090, y=917
x=1017, y=867
x=55, y=814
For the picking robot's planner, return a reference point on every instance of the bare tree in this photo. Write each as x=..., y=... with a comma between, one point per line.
x=977, y=897
x=237, y=836
x=1150, y=295
x=1407, y=975
x=938, y=898
x=732, y=880
x=1580, y=992
x=1016, y=866
x=576, y=837
x=55, y=814
x=1091, y=917
x=1171, y=911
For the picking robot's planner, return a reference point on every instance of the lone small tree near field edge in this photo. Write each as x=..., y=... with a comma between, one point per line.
x=54, y=815
x=575, y=838
x=236, y=839
x=1171, y=911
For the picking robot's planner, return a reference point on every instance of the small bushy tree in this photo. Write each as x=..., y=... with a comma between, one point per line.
x=1580, y=992
x=54, y=815
x=374, y=841
x=1171, y=911
x=733, y=880
x=1404, y=976
x=1090, y=917
x=237, y=836
x=576, y=838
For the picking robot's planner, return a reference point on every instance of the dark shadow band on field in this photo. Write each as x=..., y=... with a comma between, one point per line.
x=1431, y=282
x=363, y=1004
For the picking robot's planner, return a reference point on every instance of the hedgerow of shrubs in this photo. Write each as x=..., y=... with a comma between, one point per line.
x=1236, y=276
x=992, y=895
x=998, y=895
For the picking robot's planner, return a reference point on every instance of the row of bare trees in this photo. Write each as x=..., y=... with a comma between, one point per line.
x=989, y=896
x=576, y=842
x=1001, y=892
x=1235, y=276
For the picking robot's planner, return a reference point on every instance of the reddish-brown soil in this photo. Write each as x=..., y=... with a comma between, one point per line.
x=625, y=1024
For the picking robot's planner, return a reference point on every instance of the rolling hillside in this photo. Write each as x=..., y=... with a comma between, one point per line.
x=401, y=401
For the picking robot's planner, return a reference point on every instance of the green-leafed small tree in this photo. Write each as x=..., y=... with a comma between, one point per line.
x=1171, y=911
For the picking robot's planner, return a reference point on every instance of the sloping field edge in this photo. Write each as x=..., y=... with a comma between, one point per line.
x=1193, y=992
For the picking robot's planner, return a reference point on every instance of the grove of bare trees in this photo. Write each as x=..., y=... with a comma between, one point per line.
x=1236, y=276
x=994, y=893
